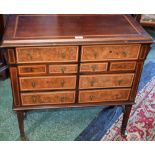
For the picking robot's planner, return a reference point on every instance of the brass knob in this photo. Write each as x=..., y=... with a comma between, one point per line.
x=124, y=53
x=94, y=67
x=62, y=99
x=34, y=99
x=30, y=56
x=92, y=83
x=110, y=51
x=62, y=69
x=29, y=69
x=120, y=82
x=33, y=84
x=91, y=97
x=62, y=83
x=63, y=55
x=95, y=54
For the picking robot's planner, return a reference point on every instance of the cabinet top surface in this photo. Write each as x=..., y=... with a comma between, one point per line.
x=75, y=29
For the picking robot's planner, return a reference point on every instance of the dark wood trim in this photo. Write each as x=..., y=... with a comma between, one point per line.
x=78, y=76
x=15, y=86
x=125, y=119
x=134, y=89
x=80, y=105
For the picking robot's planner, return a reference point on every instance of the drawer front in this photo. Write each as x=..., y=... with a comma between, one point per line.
x=106, y=81
x=110, y=52
x=122, y=66
x=48, y=98
x=47, y=54
x=62, y=69
x=32, y=70
x=47, y=83
x=93, y=67
x=104, y=95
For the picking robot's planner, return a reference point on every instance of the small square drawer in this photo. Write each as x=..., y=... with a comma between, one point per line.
x=62, y=69
x=93, y=67
x=64, y=97
x=106, y=81
x=47, y=54
x=47, y=83
x=108, y=95
x=32, y=70
x=123, y=66
x=110, y=52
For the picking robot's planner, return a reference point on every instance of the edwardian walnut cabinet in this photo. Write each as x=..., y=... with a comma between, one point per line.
x=59, y=61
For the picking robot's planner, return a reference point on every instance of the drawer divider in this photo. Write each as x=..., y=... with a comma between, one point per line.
x=78, y=76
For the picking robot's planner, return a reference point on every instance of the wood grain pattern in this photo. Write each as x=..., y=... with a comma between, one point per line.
x=62, y=69
x=93, y=67
x=11, y=56
x=123, y=66
x=48, y=98
x=47, y=83
x=110, y=52
x=106, y=81
x=26, y=30
x=93, y=96
x=15, y=86
x=32, y=70
x=47, y=54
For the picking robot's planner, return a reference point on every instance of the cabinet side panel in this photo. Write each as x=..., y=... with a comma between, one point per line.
x=139, y=68
x=15, y=87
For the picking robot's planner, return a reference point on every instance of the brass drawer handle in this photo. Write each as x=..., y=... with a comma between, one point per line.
x=92, y=83
x=91, y=97
x=63, y=55
x=29, y=69
x=120, y=82
x=63, y=69
x=110, y=51
x=95, y=54
x=94, y=67
x=34, y=99
x=33, y=84
x=62, y=99
x=125, y=53
x=62, y=83
x=30, y=56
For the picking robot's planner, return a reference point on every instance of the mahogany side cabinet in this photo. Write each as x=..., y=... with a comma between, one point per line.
x=61, y=61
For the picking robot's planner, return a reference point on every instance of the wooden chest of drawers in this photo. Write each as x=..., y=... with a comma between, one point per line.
x=96, y=62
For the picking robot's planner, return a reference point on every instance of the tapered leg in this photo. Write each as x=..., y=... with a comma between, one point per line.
x=20, y=116
x=25, y=114
x=126, y=115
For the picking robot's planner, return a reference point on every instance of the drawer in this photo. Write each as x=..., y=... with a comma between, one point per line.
x=62, y=69
x=93, y=96
x=32, y=70
x=65, y=97
x=123, y=66
x=106, y=81
x=47, y=83
x=93, y=67
x=110, y=52
x=47, y=54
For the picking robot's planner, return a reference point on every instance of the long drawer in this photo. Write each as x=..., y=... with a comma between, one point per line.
x=110, y=52
x=47, y=83
x=47, y=54
x=93, y=96
x=48, y=98
x=106, y=81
